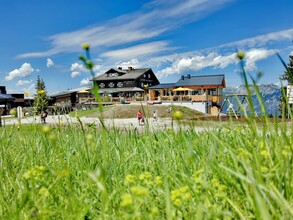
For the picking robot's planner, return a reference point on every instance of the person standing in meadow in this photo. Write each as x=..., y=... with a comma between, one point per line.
x=139, y=117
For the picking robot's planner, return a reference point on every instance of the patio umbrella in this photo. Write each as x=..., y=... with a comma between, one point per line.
x=182, y=89
x=83, y=91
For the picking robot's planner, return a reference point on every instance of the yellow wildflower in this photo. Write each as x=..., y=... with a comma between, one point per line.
x=265, y=153
x=126, y=200
x=154, y=211
x=178, y=115
x=44, y=192
x=158, y=181
x=240, y=55
x=177, y=202
x=27, y=93
x=40, y=92
x=139, y=191
x=129, y=179
x=264, y=169
x=46, y=129
x=86, y=46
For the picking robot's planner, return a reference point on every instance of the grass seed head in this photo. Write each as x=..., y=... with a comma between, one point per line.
x=240, y=55
x=177, y=115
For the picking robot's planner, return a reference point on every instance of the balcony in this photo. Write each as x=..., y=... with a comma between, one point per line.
x=194, y=98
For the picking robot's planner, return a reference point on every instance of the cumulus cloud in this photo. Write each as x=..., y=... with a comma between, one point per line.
x=50, y=63
x=76, y=69
x=85, y=82
x=23, y=82
x=198, y=62
x=133, y=62
x=254, y=55
x=215, y=60
x=75, y=74
x=25, y=70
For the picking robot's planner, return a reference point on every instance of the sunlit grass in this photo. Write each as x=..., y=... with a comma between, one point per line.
x=73, y=171
x=61, y=172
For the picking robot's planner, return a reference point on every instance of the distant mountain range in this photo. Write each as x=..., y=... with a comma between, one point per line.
x=270, y=94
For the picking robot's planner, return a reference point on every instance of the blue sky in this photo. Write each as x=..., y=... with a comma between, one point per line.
x=173, y=37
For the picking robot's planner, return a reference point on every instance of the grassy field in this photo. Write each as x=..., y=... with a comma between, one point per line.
x=130, y=110
x=79, y=172
x=75, y=171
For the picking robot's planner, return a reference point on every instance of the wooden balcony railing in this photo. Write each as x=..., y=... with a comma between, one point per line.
x=194, y=98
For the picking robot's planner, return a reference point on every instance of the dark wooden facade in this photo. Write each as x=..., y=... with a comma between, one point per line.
x=130, y=81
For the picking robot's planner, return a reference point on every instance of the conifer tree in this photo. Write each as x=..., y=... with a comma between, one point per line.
x=288, y=74
x=41, y=97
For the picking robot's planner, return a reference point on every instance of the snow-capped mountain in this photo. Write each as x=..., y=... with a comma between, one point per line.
x=270, y=94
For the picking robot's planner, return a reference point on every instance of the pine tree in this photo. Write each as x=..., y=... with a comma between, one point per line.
x=41, y=96
x=288, y=74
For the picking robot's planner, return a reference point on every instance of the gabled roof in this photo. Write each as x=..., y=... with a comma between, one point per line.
x=122, y=74
x=207, y=80
x=69, y=91
x=125, y=89
x=6, y=97
x=163, y=86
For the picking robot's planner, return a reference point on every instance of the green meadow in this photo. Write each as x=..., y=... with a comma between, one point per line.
x=75, y=171
x=237, y=170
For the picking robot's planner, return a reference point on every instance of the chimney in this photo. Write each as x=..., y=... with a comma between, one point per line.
x=188, y=76
x=130, y=68
x=182, y=77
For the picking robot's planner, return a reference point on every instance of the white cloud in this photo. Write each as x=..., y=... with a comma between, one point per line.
x=133, y=62
x=215, y=60
x=261, y=40
x=50, y=63
x=150, y=21
x=23, y=82
x=85, y=82
x=75, y=74
x=25, y=70
x=254, y=55
x=77, y=67
x=198, y=62
x=138, y=50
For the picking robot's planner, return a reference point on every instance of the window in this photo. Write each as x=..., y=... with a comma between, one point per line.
x=120, y=84
x=196, y=92
x=111, y=85
x=113, y=74
x=212, y=92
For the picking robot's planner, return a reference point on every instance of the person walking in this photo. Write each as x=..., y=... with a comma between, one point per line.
x=155, y=116
x=139, y=117
x=44, y=116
